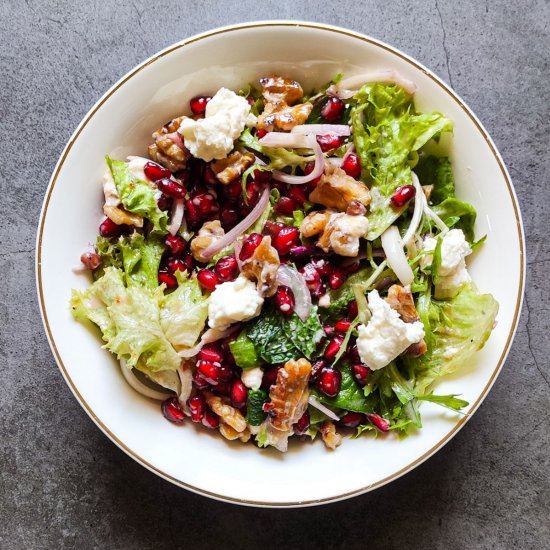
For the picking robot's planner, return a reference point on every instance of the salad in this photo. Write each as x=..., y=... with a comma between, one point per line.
x=287, y=264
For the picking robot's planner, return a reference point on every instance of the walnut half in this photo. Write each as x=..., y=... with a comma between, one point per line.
x=232, y=167
x=208, y=234
x=168, y=148
x=262, y=267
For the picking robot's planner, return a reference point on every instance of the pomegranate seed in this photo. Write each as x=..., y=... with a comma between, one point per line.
x=192, y=214
x=381, y=423
x=329, y=331
x=333, y=347
x=298, y=193
x=352, y=267
x=284, y=298
x=209, y=176
x=286, y=239
x=269, y=377
x=176, y=244
x=223, y=388
x=352, y=165
x=252, y=196
x=196, y=406
x=318, y=290
x=199, y=381
x=352, y=309
x=342, y=325
x=211, y=353
x=403, y=195
x=164, y=202
x=172, y=411
x=205, y=203
x=227, y=268
x=353, y=419
x=109, y=228
x=198, y=104
x=229, y=218
x=175, y=264
x=332, y=110
x=250, y=243
x=303, y=251
x=329, y=382
x=208, y=279
x=360, y=373
x=91, y=260
x=168, y=279
x=337, y=279
x=209, y=371
x=232, y=191
x=329, y=141
x=354, y=354
x=311, y=185
x=226, y=373
x=302, y=426
x=189, y=262
x=210, y=419
x=316, y=369
x=286, y=205
x=310, y=275
x=323, y=267
x=273, y=227
x=154, y=171
x=171, y=188
x=262, y=176
x=239, y=394
x=260, y=133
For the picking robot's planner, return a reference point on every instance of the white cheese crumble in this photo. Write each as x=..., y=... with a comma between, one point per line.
x=347, y=230
x=385, y=336
x=233, y=301
x=225, y=118
x=252, y=378
x=135, y=166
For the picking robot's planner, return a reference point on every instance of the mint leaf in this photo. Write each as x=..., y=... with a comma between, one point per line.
x=244, y=352
x=254, y=407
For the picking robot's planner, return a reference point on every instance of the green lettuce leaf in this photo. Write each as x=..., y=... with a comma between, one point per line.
x=436, y=171
x=137, y=196
x=459, y=215
x=244, y=352
x=141, y=259
x=340, y=298
x=111, y=255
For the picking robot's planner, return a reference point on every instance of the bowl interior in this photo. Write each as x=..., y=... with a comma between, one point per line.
x=121, y=124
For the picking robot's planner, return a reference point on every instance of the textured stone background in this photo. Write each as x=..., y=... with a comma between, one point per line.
x=63, y=484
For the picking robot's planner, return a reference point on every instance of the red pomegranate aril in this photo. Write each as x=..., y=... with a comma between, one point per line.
x=329, y=331
x=360, y=373
x=175, y=264
x=381, y=423
x=226, y=373
x=209, y=371
x=303, y=251
x=311, y=275
x=196, y=406
x=298, y=193
x=342, y=325
x=323, y=267
x=284, y=298
x=329, y=382
x=238, y=394
x=172, y=411
x=316, y=368
x=302, y=426
x=223, y=388
x=311, y=185
x=252, y=196
x=262, y=176
x=176, y=244
x=327, y=142
x=171, y=188
x=189, y=262
x=208, y=279
x=318, y=290
x=211, y=353
x=286, y=239
x=352, y=309
x=286, y=206
x=354, y=354
x=260, y=133
x=227, y=268
x=250, y=243
x=210, y=419
x=273, y=227
x=333, y=347
x=168, y=279
x=109, y=228
x=352, y=165
x=269, y=377
x=164, y=202
x=229, y=218
x=333, y=109
x=91, y=260
x=353, y=419
x=192, y=214
x=403, y=195
x=337, y=279
x=205, y=203
x=198, y=104
x=352, y=267
x=209, y=177
x=154, y=171
x=232, y=191
x=199, y=381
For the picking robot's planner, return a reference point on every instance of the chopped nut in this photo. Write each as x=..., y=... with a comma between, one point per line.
x=232, y=167
x=227, y=413
x=120, y=216
x=262, y=267
x=289, y=394
x=330, y=436
x=342, y=234
x=277, y=88
x=337, y=190
x=209, y=233
x=168, y=148
x=428, y=190
x=315, y=223
x=231, y=434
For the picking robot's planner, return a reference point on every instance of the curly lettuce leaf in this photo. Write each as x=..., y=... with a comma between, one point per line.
x=459, y=215
x=438, y=172
x=111, y=255
x=244, y=352
x=141, y=259
x=137, y=196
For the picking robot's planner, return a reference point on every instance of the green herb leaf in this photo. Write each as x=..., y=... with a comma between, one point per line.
x=448, y=401
x=244, y=352
x=254, y=407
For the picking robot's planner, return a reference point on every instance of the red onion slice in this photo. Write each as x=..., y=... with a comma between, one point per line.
x=240, y=228
x=315, y=173
x=176, y=217
x=211, y=335
x=325, y=410
x=139, y=386
x=349, y=86
x=281, y=139
x=186, y=382
x=395, y=256
x=320, y=129
x=287, y=276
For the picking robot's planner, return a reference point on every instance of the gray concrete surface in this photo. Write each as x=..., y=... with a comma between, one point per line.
x=65, y=485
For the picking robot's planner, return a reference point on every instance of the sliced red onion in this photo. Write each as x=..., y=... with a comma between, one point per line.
x=282, y=139
x=240, y=228
x=419, y=200
x=314, y=403
x=315, y=173
x=349, y=86
x=139, y=386
x=211, y=335
x=320, y=129
x=186, y=380
x=290, y=277
x=176, y=217
x=349, y=150
x=237, y=249
x=395, y=255
x=177, y=139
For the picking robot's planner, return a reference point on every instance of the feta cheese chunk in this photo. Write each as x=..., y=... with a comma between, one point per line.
x=347, y=230
x=252, y=378
x=135, y=166
x=233, y=301
x=225, y=118
x=385, y=336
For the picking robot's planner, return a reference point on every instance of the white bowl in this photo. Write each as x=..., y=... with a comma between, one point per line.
x=120, y=124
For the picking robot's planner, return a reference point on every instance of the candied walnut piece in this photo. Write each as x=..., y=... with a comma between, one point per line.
x=168, y=148
x=226, y=412
x=262, y=267
x=277, y=89
x=331, y=437
x=232, y=167
x=338, y=190
x=342, y=234
x=208, y=234
x=120, y=216
x=315, y=223
x=289, y=394
x=231, y=434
